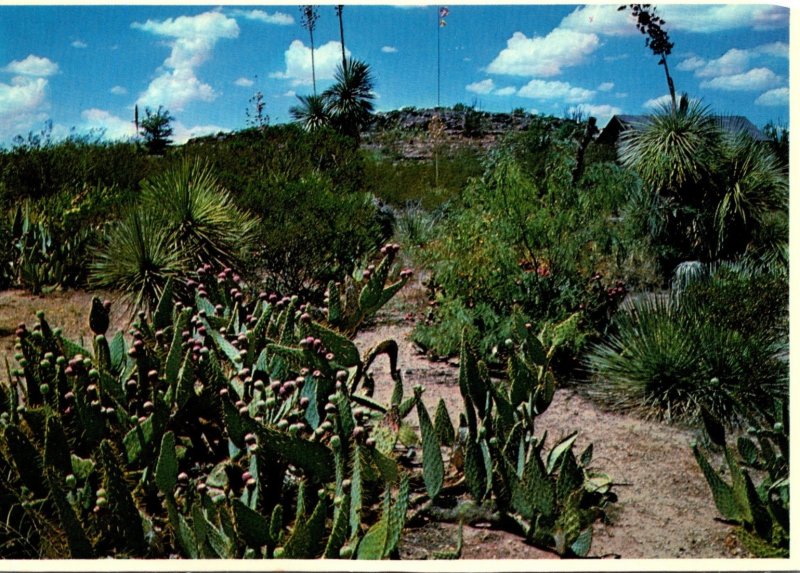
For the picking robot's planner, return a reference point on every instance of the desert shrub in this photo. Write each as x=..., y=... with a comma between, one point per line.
x=404, y=181
x=311, y=233
x=42, y=169
x=523, y=236
x=668, y=357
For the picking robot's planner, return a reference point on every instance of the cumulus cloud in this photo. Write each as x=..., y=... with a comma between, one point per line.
x=244, y=82
x=194, y=38
x=119, y=90
x=555, y=90
x=658, y=102
x=389, y=50
x=734, y=61
x=755, y=79
x=543, y=56
x=606, y=20
x=298, y=62
x=482, y=87
x=717, y=18
x=36, y=66
x=79, y=44
x=24, y=99
x=277, y=18
x=775, y=49
x=115, y=128
x=507, y=91
x=182, y=133
x=606, y=87
x=600, y=19
x=774, y=97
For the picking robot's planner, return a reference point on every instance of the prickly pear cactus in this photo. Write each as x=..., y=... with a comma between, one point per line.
x=231, y=424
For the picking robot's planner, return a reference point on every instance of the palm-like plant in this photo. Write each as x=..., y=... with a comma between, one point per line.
x=312, y=112
x=754, y=185
x=675, y=151
x=138, y=260
x=350, y=97
x=199, y=214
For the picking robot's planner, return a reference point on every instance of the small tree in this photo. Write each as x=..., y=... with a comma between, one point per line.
x=156, y=130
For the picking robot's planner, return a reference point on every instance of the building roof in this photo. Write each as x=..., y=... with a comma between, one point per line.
x=732, y=124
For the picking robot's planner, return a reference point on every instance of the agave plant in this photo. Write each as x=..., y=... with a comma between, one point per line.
x=312, y=113
x=199, y=214
x=138, y=259
x=350, y=97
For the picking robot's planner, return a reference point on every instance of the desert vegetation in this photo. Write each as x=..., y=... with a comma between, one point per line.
x=221, y=405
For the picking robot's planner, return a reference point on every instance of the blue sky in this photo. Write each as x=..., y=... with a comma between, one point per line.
x=84, y=67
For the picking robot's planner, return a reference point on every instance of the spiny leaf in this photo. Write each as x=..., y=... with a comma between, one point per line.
x=432, y=464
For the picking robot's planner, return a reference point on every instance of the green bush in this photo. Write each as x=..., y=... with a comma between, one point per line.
x=523, y=236
x=668, y=357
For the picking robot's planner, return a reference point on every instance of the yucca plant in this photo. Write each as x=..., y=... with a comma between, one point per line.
x=350, y=97
x=675, y=149
x=312, y=113
x=199, y=214
x=138, y=259
x=753, y=185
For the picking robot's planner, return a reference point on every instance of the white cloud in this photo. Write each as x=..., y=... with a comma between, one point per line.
x=606, y=87
x=755, y=79
x=244, y=82
x=114, y=127
x=543, y=56
x=389, y=50
x=601, y=112
x=691, y=64
x=606, y=20
x=290, y=93
x=194, y=39
x=482, y=87
x=718, y=18
x=734, y=61
x=32, y=66
x=555, y=90
x=23, y=103
x=777, y=96
x=79, y=44
x=600, y=19
x=775, y=49
x=118, y=90
x=181, y=133
x=507, y=91
x=278, y=18
x=658, y=102
x=298, y=62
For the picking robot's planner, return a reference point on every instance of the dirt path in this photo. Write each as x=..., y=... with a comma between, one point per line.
x=665, y=509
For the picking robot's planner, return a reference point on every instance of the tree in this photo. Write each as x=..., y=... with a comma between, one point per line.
x=310, y=17
x=157, y=130
x=657, y=38
x=339, y=10
x=350, y=98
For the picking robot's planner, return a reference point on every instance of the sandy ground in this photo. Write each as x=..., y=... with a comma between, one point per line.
x=664, y=511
